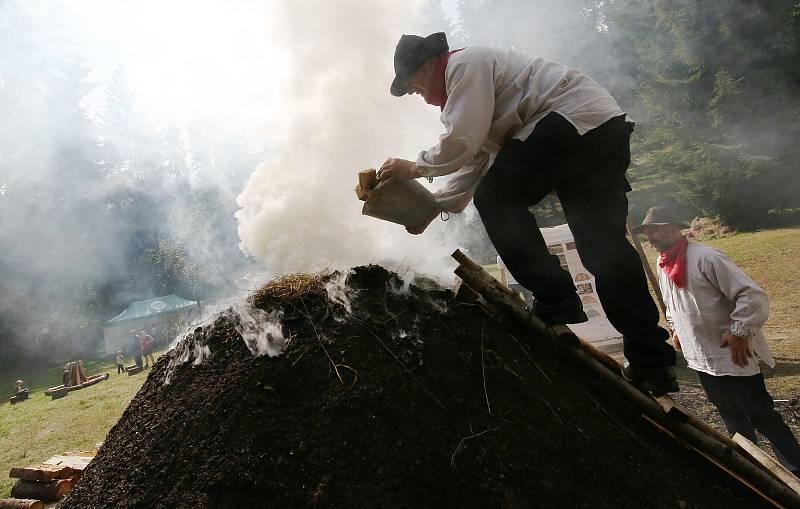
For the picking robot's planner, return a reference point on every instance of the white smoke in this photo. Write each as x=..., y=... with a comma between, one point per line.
x=261, y=331
x=298, y=211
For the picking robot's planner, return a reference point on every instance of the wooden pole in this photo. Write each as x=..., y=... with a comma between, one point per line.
x=647, y=269
x=728, y=457
x=17, y=503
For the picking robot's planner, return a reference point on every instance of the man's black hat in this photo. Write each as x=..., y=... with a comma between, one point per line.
x=411, y=52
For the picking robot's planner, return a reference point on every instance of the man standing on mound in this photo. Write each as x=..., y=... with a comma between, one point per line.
x=517, y=128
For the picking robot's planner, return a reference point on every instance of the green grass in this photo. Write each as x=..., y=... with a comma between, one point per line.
x=34, y=430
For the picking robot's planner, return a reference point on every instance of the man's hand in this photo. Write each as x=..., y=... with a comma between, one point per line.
x=394, y=169
x=676, y=342
x=740, y=348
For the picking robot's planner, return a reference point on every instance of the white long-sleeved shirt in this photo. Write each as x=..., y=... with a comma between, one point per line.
x=718, y=297
x=495, y=95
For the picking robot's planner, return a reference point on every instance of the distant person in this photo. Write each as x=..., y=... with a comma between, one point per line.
x=716, y=313
x=20, y=391
x=136, y=348
x=120, y=362
x=154, y=332
x=147, y=349
x=508, y=280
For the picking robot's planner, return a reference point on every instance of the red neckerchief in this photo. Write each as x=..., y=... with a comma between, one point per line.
x=437, y=87
x=673, y=262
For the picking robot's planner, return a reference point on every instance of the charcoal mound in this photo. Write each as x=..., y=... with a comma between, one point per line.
x=387, y=395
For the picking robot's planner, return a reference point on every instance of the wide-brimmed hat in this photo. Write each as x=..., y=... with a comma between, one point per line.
x=658, y=216
x=411, y=52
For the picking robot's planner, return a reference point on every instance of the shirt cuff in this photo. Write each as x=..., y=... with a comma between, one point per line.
x=424, y=171
x=742, y=330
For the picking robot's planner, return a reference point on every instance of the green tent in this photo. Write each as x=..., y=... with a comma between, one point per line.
x=162, y=317
x=151, y=307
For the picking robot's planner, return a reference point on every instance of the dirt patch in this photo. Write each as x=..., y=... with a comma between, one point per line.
x=410, y=400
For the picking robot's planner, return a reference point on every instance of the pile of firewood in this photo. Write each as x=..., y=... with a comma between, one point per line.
x=74, y=378
x=45, y=483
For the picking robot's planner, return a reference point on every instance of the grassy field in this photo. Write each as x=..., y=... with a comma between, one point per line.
x=32, y=431
x=38, y=428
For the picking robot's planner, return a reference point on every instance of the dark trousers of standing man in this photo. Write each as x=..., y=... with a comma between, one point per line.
x=746, y=407
x=588, y=175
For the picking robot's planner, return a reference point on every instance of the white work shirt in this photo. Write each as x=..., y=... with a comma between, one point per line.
x=495, y=95
x=718, y=297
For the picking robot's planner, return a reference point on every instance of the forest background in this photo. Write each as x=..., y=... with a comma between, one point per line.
x=104, y=204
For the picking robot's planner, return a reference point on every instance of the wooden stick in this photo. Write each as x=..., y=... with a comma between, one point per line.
x=710, y=459
x=593, y=360
x=18, y=503
x=647, y=269
x=773, y=466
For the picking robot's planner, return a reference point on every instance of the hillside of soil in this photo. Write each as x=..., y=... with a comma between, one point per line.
x=387, y=395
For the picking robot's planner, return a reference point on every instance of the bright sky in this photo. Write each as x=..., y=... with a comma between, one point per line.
x=190, y=59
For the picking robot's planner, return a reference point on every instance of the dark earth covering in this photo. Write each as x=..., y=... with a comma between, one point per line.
x=439, y=405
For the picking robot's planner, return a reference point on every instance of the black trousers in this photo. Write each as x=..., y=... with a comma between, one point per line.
x=588, y=175
x=746, y=406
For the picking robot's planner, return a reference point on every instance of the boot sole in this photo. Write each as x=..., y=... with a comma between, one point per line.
x=565, y=318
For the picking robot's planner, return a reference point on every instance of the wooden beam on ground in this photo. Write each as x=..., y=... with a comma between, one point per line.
x=776, y=468
x=133, y=370
x=52, y=491
x=45, y=472
x=20, y=503
x=593, y=361
x=59, y=393
x=49, y=392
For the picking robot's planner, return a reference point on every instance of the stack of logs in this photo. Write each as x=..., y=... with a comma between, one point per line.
x=74, y=378
x=45, y=483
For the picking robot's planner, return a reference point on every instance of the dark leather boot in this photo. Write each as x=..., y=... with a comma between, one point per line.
x=564, y=311
x=658, y=380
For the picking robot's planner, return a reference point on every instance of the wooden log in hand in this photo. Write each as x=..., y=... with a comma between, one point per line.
x=367, y=179
x=17, y=503
x=52, y=491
